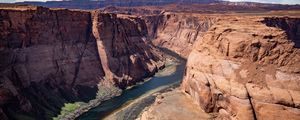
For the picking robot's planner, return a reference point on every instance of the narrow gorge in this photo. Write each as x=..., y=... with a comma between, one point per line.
x=235, y=66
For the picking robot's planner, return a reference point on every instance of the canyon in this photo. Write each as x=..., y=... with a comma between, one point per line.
x=50, y=57
x=239, y=65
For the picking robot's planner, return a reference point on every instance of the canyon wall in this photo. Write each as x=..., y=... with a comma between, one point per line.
x=178, y=31
x=247, y=68
x=52, y=56
x=126, y=53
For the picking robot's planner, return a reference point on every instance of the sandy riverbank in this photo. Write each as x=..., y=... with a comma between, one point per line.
x=133, y=109
x=174, y=105
x=166, y=104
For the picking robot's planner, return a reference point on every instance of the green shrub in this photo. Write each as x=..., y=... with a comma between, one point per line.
x=68, y=108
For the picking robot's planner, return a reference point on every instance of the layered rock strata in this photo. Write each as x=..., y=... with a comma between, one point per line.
x=178, y=32
x=52, y=56
x=124, y=49
x=242, y=68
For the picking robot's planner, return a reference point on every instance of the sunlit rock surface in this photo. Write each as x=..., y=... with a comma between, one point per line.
x=247, y=68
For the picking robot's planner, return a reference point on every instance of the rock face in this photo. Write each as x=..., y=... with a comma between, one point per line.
x=242, y=68
x=49, y=57
x=289, y=25
x=122, y=44
x=178, y=32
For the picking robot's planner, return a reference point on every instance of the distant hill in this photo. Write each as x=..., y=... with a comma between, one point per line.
x=94, y=4
x=214, y=5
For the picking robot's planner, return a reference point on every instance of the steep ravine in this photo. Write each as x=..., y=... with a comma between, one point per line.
x=49, y=57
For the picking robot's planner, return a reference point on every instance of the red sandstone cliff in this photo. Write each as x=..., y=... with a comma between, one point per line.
x=123, y=48
x=178, y=31
x=49, y=57
x=247, y=68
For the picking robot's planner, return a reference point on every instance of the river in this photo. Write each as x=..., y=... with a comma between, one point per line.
x=129, y=95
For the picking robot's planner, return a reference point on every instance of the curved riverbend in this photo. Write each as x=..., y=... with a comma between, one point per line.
x=156, y=82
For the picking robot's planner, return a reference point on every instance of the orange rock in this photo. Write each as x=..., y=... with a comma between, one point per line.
x=246, y=69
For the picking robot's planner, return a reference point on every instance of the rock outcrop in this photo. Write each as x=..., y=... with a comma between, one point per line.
x=52, y=56
x=242, y=68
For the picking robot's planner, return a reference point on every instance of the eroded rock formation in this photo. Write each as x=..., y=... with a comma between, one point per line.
x=242, y=68
x=178, y=32
x=52, y=56
x=123, y=46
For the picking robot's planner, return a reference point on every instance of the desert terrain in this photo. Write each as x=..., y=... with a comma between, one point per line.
x=143, y=61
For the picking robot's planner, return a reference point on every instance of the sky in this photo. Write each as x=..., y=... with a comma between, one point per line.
x=262, y=1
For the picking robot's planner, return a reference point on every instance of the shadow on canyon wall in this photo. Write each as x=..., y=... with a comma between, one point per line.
x=290, y=25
